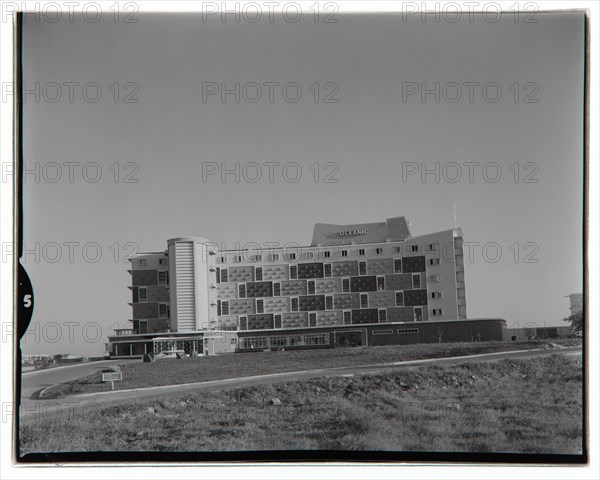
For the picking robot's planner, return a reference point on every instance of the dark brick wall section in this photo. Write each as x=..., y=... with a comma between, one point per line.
x=461, y=331
x=415, y=297
x=144, y=277
x=158, y=324
x=158, y=293
x=260, y=322
x=310, y=303
x=310, y=270
x=363, y=284
x=413, y=264
x=365, y=316
x=134, y=294
x=426, y=332
x=400, y=314
x=398, y=282
x=145, y=310
x=259, y=289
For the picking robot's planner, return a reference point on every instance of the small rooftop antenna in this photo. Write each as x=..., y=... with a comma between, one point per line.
x=454, y=206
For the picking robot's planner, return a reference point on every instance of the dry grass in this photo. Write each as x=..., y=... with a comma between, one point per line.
x=189, y=370
x=516, y=406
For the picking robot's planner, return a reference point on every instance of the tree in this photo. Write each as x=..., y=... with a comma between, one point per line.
x=576, y=321
x=530, y=332
x=440, y=334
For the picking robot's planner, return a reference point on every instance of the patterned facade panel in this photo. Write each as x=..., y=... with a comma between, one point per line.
x=363, y=284
x=400, y=314
x=226, y=291
x=309, y=303
x=328, y=285
x=310, y=270
x=329, y=318
x=144, y=277
x=242, y=306
x=259, y=289
x=401, y=281
x=344, y=269
x=383, y=266
x=227, y=323
x=370, y=315
x=275, y=272
x=294, y=320
x=158, y=293
x=145, y=310
x=413, y=264
x=213, y=323
x=241, y=274
x=277, y=304
x=382, y=299
x=415, y=297
x=293, y=287
x=261, y=321
x=346, y=301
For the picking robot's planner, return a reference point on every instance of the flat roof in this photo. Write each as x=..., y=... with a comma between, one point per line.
x=456, y=232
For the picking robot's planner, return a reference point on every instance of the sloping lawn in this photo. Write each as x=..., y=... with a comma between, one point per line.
x=189, y=370
x=516, y=406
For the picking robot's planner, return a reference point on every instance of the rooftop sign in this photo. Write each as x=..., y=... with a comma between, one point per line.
x=392, y=230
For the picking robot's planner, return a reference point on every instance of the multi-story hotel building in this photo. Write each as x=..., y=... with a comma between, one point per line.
x=366, y=284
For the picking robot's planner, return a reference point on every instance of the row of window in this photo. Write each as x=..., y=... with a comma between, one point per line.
x=223, y=305
x=281, y=341
x=161, y=261
x=346, y=286
x=311, y=287
x=347, y=319
x=430, y=247
x=401, y=331
x=223, y=273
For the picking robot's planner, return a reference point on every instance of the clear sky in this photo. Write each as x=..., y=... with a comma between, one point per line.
x=371, y=134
